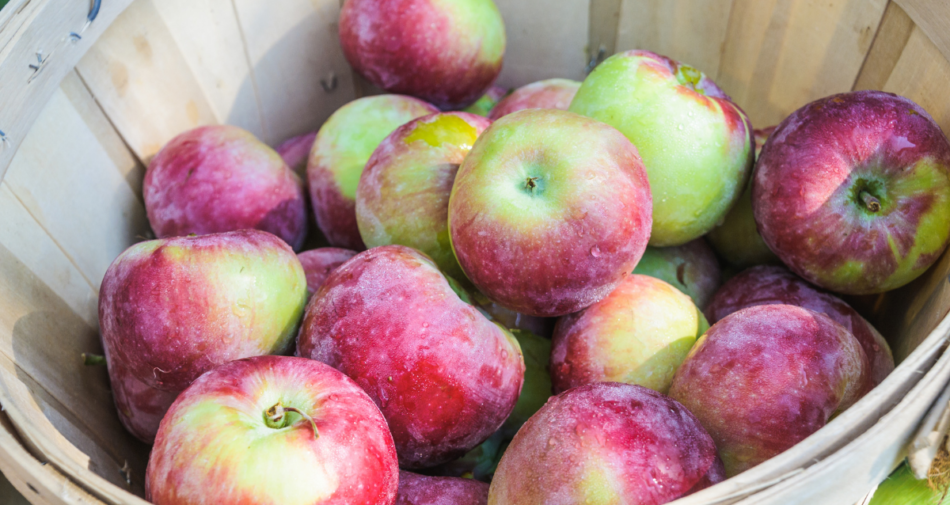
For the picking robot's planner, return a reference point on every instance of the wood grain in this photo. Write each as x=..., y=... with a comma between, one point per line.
x=933, y=17
x=922, y=74
x=889, y=43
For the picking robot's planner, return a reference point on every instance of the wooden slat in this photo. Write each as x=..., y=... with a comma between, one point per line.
x=889, y=43
x=67, y=182
x=603, y=27
x=293, y=45
x=143, y=82
x=933, y=17
x=545, y=40
x=781, y=54
x=690, y=31
x=922, y=74
x=9, y=495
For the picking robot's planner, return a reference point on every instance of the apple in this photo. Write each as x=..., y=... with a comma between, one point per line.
x=403, y=194
x=639, y=334
x=296, y=150
x=272, y=429
x=692, y=268
x=852, y=192
x=605, y=443
x=764, y=378
x=318, y=263
x=736, y=239
x=415, y=489
x=512, y=320
x=221, y=178
x=445, y=52
x=546, y=94
x=484, y=105
x=549, y=211
x=444, y=375
x=772, y=285
x=342, y=148
x=695, y=142
x=172, y=309
x=479, y=463
x=140, y=407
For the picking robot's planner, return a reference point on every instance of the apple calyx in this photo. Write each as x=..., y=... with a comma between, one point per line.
x=276, y=417
x=530, y=183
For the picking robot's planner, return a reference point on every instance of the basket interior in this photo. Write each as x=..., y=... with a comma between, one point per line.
x=71, y=201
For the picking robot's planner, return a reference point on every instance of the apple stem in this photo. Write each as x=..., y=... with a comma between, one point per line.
x=276, y=418
x=90, y=359
x=530, y=184
x=869, y=201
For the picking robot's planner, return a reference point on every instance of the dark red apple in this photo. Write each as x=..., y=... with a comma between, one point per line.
x=318, y=263
x=415, y=489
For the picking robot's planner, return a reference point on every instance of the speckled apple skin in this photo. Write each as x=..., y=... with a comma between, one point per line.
x=213, y=447
x=342, y=147
x=296, y=150
x=639, y=334
x=415, y=489
x=140, y=407
x=447, y=52
x=604, y=443
x=444, y=376
x=773, y=285
x=764, y=378
x=805, y=194
x=565, y=243
x=695, y=142
x=736, y=239
x=692, y=268
x=318, y=263
x=172, y=309
x=221, y=178
x=546, y=94
x=403, y=194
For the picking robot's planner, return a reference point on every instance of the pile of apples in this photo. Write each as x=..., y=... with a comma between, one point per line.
x=428, y=342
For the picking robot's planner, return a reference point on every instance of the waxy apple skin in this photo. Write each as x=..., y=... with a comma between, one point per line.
x=296, y=150
x=696, y=144
x=318, y=263
x=217, y=179
x=403, y=194
x=692, y=268
x=447, y=52
x=774, y=285
x=172, y=309
x=639, y=335
x=215, y=445
x=140, y=407
x=546, y=94
x=343, y=145
x=852, y=192
x=549, y=211
x=764, y=378
x=415, y=489
x=604, y=443
x=444, y=376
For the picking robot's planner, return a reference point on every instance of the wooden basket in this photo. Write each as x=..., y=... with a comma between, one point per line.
x=89, y=92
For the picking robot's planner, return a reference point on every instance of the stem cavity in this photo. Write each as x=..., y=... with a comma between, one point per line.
x=530, y=183
x=871, y=203
x=276, y=418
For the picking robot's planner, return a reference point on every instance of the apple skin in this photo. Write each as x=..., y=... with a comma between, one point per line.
x=403, y=194
x=415, y=489
x=342, y=148
x=215, y=446
x=692, y=268
x=549, y=211
x=737, y=240
x=543, y=326
x=773, y=285
x=604, y=443
x=220, y=178
x=172, y=309
x=141, y=408
x=444, y=375
x=546, y=94
x=639, y=335
x=296, y=150
x=764, y=378
x=825, y=170
x=484, y=105
x=695, y=142
x=318, y=263
x=446, y=52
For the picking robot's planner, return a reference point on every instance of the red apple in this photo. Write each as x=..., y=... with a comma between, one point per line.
x=444, y=52
x=294, y=152
x=549, y=211
x=318, y=263
x=852, y=192
x=140, y=407
x=221, y=178
x=547, y=94
x=773, y=285
x=764, y=378
x=444, y=376
x=415, y=489
x=272, y=429
x=605, y=443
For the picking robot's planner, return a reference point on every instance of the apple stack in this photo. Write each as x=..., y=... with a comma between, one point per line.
x=519, y=288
